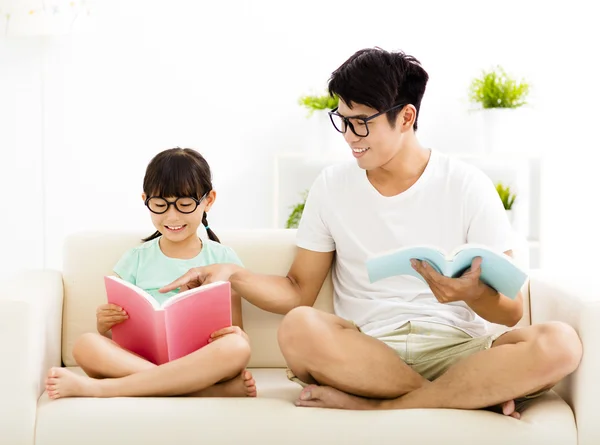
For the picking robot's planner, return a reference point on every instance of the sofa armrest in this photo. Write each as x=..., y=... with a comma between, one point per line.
x=30, y=332
x=574, y=300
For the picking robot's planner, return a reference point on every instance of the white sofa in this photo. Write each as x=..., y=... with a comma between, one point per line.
x=42, y=313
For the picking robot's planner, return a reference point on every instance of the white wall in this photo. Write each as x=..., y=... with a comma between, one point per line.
x=224, y=78
x=20, y=161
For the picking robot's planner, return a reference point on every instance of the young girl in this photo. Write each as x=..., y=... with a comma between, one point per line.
x=178, y=194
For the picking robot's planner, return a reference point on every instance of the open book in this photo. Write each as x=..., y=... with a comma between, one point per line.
x=498, y=270
x=182, y=325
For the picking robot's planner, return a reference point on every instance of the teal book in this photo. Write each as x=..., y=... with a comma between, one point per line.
x=498, y=270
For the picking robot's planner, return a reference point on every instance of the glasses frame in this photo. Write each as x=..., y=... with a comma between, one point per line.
x=174, y=203
x=348, y=124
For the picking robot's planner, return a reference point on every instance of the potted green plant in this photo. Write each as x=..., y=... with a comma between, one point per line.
x=508, y=199
x=316, y=103
x=296, y=213
x=496, y=89
x=499, y=96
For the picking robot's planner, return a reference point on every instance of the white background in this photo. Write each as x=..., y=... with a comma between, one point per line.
x=224, y=78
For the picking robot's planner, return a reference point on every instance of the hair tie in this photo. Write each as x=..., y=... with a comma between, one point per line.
x=207, y=227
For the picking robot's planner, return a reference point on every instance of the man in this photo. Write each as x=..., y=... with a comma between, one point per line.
x=399, y=343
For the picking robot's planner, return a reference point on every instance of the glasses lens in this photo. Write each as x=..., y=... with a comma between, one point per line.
x=359, y=126
x=157, y=205
x=338, y=123
x=186, y=205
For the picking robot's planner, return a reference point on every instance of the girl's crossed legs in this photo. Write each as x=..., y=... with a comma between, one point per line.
x=216, y=370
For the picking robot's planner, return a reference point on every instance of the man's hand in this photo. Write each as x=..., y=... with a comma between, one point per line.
x=108, y=315
x=228, y=331
x=201, y=275
x=467, y=287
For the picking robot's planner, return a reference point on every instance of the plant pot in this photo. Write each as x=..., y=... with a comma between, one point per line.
x=510, y=215
x=503, y=130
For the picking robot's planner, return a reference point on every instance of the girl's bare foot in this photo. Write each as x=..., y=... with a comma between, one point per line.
x=241, y=386
x=64, y=383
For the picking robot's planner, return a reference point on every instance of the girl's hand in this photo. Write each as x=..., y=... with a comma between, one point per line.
x=108, y=315
x=227, y=331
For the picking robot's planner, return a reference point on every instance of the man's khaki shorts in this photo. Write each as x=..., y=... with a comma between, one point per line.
x=431, y=349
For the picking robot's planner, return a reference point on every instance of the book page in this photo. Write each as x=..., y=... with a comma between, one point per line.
x=457, y=250
x=141, y=292
x=191, y=292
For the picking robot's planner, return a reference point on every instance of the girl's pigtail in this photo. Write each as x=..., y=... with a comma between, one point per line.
x=211, y=234
x=153, y=236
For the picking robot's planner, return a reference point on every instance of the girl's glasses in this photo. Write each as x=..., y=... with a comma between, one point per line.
x=183, y=204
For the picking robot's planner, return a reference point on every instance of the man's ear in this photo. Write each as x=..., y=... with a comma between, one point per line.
x=210, y=199
x=144, y=197
x=406, y=118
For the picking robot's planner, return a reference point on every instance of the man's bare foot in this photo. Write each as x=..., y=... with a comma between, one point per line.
x=64, y=383
x=328, y=397
x=506, y=409
x=509, y=409
x=241, y=386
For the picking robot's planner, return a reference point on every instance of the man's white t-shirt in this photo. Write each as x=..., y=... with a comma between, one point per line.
x=452, y=203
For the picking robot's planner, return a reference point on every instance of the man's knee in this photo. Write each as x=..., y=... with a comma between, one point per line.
x=299, y=327
x=559, y=349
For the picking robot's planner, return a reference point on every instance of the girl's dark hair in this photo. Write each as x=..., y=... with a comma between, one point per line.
x=179, y=172
x=380, y=79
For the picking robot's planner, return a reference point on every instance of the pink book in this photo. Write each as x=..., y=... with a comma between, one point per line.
x=182, y=325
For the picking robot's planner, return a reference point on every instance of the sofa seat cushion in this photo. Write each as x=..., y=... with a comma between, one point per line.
x=272, y=418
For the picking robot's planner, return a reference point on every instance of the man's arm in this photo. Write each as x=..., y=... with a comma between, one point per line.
x=497, y=308
x=280, y=295
x=269, y=292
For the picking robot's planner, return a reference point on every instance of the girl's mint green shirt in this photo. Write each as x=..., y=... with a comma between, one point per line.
x=147, y=267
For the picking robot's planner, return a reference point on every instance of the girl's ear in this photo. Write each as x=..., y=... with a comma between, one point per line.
x=210, y=199
x=144, y=197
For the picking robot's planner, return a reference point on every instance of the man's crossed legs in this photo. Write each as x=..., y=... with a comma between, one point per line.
x=347, y=369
